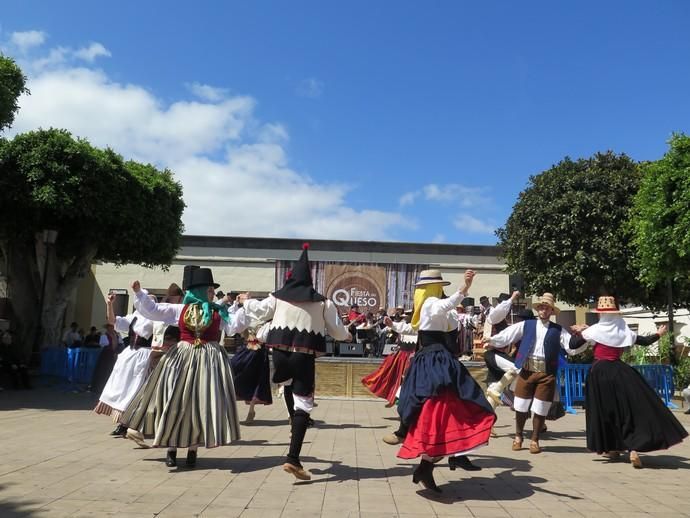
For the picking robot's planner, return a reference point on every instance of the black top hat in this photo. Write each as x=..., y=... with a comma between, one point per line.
x=201, y=277
x=187, y=275
x=299, y=287
x=467, y=301
x=503, y=297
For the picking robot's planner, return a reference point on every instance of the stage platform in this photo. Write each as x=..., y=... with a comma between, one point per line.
x=342, y=377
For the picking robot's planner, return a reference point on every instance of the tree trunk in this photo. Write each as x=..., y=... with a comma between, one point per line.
x=25, y=286
x=59, y=289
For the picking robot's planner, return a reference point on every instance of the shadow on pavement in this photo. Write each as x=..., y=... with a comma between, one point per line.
x=47, y=398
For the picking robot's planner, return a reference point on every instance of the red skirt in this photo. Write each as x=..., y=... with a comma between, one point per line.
x=384, y=381
x=447, y=425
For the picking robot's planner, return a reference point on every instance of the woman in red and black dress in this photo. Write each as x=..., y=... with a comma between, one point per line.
x=442, y=408
x=623, y=412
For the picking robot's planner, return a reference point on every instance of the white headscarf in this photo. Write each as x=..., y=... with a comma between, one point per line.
x=611, y=330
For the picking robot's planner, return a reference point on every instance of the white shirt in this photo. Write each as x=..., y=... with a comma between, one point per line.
x=500, y=312
x=170, y=313
x=142, y=327
x=496, y=315
x=319, y=317
x=406, y=332
x=513, y=333
x=436, y=313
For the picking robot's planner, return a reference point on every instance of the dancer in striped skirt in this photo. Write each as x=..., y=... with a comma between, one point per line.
x=189, y=400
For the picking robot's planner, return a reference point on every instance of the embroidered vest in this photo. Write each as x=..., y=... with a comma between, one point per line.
x=552, y=345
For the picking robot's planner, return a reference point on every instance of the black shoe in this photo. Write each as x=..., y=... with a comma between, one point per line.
x=120, y=430
x=425, y=474
x=171, y=459
x=462, y=462
x=310, y=422
x=191, y=458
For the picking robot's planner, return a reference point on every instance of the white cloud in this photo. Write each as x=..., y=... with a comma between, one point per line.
x=220, y=153
x=471, y=224
x=408, y=198
x=439, y=238
x=23, y=41
x=453, y=192
x=90, y=53
x=460, y=195
x=208, y=92
x=310, y=87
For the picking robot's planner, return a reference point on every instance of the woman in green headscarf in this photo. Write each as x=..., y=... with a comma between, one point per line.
x=189, y=400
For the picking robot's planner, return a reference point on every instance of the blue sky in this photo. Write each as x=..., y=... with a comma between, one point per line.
x=409, y=121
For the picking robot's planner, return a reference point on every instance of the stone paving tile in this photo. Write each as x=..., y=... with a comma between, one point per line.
x=82, y=471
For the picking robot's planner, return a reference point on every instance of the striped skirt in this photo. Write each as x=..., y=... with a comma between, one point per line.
x=189, y=400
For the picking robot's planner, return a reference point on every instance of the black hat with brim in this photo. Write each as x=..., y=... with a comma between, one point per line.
x=187, y=275
x=201, y=277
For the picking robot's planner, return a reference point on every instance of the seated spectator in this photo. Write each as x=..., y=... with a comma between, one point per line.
x=71, y=337
x=12, y=362
x=93, y=338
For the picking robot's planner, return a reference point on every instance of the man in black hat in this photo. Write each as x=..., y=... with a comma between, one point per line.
x=300, y=319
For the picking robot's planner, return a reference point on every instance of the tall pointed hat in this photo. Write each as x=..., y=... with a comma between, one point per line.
x=299, y=286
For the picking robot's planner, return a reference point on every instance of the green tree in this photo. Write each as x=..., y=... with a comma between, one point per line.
x=566, y=232
x=660, y=221
x=12, y=85
x=104, y=209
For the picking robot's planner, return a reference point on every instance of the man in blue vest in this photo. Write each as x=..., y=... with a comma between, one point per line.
x=537, y=357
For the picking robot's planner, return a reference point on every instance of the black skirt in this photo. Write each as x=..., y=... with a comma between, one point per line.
x=624, y=413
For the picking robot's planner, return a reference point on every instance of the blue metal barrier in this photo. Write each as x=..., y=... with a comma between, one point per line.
x=81, y=363
x=571, y=380
x=572, y=376
x=660, y=378
x=54, y=361
x=75, y=364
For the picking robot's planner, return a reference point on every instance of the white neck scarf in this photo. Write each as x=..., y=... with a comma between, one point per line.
x=611, y=330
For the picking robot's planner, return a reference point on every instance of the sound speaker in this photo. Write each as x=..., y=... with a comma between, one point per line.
x=516, y=282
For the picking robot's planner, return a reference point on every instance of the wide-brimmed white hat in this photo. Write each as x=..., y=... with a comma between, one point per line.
x=547, y=299
x=431, y=277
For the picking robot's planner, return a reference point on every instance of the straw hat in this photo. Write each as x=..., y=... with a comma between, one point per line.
x=547, y=299
x=431, y=277
x=608, y=305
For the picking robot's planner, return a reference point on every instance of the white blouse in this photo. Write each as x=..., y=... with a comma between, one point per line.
x=142, y=327
x=435, y=314
x=406, y=332
x=170, y=313
x=319, y=317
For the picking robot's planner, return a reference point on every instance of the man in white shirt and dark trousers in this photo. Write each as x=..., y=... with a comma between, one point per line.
x=540, y=343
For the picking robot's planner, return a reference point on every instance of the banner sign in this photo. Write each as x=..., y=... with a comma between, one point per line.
x=363, y=285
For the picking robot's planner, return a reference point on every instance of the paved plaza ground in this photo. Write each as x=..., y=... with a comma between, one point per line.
x=56, y=459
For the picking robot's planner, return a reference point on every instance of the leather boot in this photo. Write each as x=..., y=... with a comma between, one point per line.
x=171, y=458
x=425, y=474
x=299, y=429
x=191, y=458
x=461, y=461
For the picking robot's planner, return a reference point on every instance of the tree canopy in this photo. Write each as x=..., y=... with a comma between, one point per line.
x=567, y=235
x=12, y=85
x=660, y=221
x=130, y=212
x=104, y=208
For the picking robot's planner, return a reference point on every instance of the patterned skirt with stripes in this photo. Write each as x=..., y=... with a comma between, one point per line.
x=189, y=399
